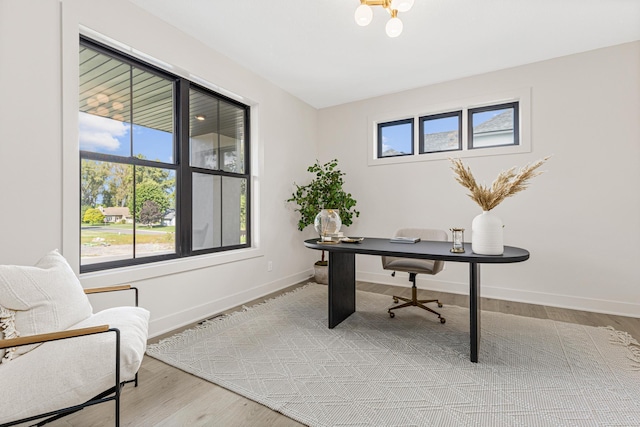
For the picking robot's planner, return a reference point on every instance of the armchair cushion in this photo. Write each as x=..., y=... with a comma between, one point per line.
x=44, y=298
x=71, y=371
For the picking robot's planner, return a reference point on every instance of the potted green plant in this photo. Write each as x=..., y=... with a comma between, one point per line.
x=324, y=191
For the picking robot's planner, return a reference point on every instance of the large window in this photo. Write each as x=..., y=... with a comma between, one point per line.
x=164, y=169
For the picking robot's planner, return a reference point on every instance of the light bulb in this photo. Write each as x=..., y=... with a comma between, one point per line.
x=92, y=102
x=394, y=27
x=401, y=5
x=364, y=15
x=102, y=98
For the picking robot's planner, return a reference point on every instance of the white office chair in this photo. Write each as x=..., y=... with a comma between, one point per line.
x=415, y=267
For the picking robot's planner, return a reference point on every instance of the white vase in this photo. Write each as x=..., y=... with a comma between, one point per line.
x=486, y=234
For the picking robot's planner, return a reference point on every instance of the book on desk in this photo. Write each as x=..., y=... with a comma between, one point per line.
x=400, y=239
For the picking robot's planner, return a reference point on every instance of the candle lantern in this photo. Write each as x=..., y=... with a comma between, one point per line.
x=457, y=237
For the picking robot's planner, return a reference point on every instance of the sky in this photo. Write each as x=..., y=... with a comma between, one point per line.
x=103, y=135
x=399, y=137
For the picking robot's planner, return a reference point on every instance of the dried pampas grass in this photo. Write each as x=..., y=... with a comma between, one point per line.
x=507, y=183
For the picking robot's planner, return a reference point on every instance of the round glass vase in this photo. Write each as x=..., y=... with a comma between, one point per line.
x=327, y=224
x=486, y=234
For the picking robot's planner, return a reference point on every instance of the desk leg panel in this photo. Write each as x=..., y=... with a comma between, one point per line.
x=342, y=287
x=474, y=310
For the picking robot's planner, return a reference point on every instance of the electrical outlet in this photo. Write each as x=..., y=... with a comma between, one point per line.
x=269, y=265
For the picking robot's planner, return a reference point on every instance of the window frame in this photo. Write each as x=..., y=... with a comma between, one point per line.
x=493, y=107
x=423, y=119
x=522, y=95
x=396, y=123
x=181, y=166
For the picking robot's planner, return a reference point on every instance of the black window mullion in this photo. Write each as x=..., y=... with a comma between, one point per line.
x=133, y=214
x=185, y=178
x=247, y=174
x=221, y=228
x=102, y=157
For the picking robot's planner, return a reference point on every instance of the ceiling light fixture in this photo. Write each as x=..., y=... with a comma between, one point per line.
x=364, y=13
x=200, y=117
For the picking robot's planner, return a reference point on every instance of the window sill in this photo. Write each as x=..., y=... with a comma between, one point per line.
x=157, y=269
x=444, y=155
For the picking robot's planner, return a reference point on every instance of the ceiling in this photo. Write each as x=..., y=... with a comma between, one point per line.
x=314, y=50
x=109, y=87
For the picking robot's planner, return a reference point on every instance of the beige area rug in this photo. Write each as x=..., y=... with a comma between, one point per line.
x=411, y=370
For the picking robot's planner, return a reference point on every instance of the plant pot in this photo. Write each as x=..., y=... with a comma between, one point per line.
x=321, y=272
x=487, y=234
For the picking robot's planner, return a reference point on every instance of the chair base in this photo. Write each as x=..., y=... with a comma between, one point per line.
x=56, y=415
x=415, y=302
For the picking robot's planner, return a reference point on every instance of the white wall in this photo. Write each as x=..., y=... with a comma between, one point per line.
x=39, y=157
x=585, y=112
x=30, y=130
x=580, y=219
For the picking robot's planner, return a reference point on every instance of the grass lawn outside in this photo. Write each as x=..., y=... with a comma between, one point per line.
x=106, y=241
x=102, y=237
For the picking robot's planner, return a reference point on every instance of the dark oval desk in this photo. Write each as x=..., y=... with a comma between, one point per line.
x=342, y=272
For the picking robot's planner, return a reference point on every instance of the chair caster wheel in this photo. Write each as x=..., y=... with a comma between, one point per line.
x=439, y=305
x=392, y=314
x=395, y=300
x=442, y=320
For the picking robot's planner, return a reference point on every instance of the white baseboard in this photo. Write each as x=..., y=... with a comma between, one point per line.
x=194, y=314
x=553, y=300
x=207, y=310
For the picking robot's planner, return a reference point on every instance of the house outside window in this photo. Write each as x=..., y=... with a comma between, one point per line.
x=146, y=141
x=493, y=126
x=441, y=132
x=486, y=125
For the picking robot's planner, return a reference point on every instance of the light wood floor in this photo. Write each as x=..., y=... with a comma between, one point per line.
x=167, y=396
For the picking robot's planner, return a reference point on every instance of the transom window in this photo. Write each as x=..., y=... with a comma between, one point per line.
x=441, y=132
x=395, y=138
x=493, y=126
x=164, y=169
x=466, y=128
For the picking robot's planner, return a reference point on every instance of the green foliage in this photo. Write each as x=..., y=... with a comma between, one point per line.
x=83, y=210
x=150, y=213
x=93, y=177
x=243, y=211
x=324, y=191
x=149, y=190
x=93, y=216
x=112, y=183
x=119, y=188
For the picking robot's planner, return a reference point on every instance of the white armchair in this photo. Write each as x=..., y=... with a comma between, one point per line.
x=57, y=355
